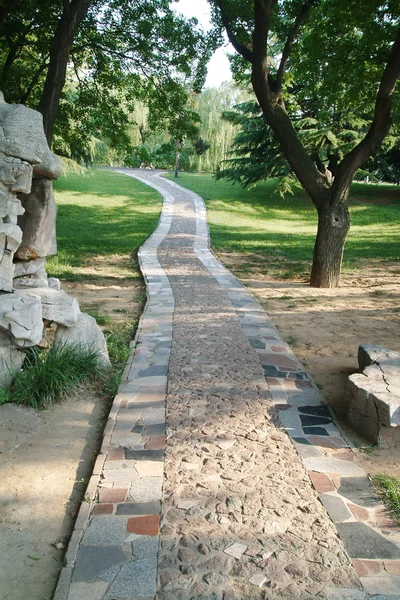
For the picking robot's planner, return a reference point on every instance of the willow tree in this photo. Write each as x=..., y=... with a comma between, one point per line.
x=345, y=47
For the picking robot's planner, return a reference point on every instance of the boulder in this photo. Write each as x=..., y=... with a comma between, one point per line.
x=38, y=223
x=86, y=333
x=11, y=360
x=22, y=135
x=21, y=318
x=57, y=306
x=375, y=393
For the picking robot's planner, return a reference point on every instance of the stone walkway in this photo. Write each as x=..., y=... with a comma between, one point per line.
x=220, y=462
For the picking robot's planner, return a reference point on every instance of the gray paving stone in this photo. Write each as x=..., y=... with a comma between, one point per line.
x=93, y=560
x=344, y=468
x=359, y=490
x=105, y=531
x=84, y=591
x=136, y=579
x=145, y=546
x=362, y=541
x=139, y=508
x=146, y=489
x=336, y=508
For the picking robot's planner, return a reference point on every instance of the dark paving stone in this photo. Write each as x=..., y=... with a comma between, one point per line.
x=156, y=429
x=93, y=560
x=157, y=455
x=359, y=490
x=302, y=440
x=138, y=429
x=270, y=371
x=363, y=542
x=315, y=431
x=318, y=411
x=310, y=421
x=257, y=344
x=155, y=371
x=139, y=508
x=336, y=508
x=292, y=375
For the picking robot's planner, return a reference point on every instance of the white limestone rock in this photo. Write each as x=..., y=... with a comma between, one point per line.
x=86, y=333
x=11, y=360
x=30, y=267
x=57, y=306
x=21, y=318
x=22, y=135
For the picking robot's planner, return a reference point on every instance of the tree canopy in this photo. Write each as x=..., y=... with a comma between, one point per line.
x=330, y=62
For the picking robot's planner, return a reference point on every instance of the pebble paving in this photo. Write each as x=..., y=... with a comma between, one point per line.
x=222, y=474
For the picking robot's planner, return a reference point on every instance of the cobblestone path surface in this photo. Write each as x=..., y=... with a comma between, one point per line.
x=220, y=464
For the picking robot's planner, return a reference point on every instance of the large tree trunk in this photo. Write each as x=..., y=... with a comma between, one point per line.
x=67, y=27
x=333, y=226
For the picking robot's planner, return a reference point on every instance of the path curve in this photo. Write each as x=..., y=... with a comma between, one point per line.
x=198, y=493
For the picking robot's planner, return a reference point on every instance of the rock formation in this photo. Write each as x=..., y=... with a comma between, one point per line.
x=29, y=300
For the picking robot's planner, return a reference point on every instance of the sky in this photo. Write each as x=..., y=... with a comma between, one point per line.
x=218, y=67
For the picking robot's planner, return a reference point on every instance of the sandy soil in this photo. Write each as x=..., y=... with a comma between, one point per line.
x=326, y=326
x=46, y=461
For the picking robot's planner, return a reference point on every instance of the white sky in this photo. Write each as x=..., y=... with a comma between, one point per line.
x=218, y=67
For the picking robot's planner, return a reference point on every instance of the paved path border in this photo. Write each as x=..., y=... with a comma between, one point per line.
x=109, y=529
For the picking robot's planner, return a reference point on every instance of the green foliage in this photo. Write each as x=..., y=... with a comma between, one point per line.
x=118, y=336
x=123, y=54
x=389, y=488
x=49, y=376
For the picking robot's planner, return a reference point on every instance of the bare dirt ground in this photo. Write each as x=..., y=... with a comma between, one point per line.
x=326, y=326
x=47, y=459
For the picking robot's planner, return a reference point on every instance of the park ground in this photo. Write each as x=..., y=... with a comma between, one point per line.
x=267, y=243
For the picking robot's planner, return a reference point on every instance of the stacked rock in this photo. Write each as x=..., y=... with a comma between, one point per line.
x=29, y=300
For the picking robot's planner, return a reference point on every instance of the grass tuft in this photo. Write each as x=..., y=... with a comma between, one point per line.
x=389, y=489
x=49, y=376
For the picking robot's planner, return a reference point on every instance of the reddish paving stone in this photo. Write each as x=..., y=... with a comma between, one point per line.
x=323, y=442
x=282, y=406
x=272, y=381
x=123, y=404
x=345, y=455
x=111, y=495
x=321, y=482
x=303, y=383
x=364, y=568
x=335, y=480
x=116, y=454
x=361, y=514
x=156, y=443
x=277, y=360
x=103, y=509
x=392, y=567
x=149, y=525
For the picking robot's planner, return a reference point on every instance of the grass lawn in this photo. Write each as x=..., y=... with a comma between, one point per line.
x=259, y=223
x=101, y=214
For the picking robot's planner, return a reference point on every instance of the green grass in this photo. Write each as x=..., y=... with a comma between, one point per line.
x=389, y=489
x=49, y=376
x=259, y=222
x=101, y=213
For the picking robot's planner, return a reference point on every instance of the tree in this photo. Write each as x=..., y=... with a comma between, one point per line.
x=112, y=52
x=367, y=41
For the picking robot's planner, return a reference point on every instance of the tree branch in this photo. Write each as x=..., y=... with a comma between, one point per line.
x=240, y=48
x=301, y=17
x=380, y=124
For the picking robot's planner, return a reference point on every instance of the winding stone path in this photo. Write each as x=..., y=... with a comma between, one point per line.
x=220, y=462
